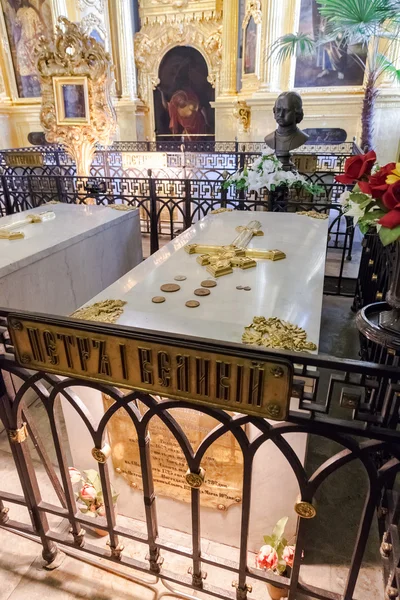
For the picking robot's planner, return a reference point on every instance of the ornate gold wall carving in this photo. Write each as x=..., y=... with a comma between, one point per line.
x=74, y=54
x=202, y=31
x=242, y=112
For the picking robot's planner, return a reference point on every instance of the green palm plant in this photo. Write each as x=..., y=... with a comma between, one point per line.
x=373, y=24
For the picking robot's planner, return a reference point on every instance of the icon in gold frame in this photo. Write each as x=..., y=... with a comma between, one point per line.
x=71, y=100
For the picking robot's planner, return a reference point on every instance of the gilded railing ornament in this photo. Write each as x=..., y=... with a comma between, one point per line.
x=76, y=76
x=195, y=480
x=101, y=454
x=220, y=260
x=305, y=510
x=18, y=436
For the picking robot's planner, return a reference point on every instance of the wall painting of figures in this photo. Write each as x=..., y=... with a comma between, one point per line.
x=333, y=63
x=26, y=21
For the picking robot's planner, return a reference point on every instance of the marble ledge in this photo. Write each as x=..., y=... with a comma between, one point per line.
x=101, y=219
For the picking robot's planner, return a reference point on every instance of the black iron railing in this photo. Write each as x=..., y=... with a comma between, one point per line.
x=169, y=206
x=351, y=406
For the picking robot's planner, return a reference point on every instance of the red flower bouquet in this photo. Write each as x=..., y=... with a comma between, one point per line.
x=276, y=555
x=375, y=198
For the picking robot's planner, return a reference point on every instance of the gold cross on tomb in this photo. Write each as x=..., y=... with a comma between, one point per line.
x=220, y=260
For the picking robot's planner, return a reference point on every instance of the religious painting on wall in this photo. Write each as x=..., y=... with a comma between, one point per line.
x=71, y=100
x=182, y=98
x=250, y=47
x=332, y=64
x=26, y=21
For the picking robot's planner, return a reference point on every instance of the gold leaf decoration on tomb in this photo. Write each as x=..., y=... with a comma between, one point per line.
x=74, y=54
x=278, y=334
x=217, y=211
x=122, y=207
x=220, y=478
x=313, y=214
x=107, y=311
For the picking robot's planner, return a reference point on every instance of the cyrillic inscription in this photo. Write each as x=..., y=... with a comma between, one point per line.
x=202, y=376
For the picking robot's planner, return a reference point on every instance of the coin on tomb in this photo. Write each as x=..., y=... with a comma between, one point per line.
x=158, y=299
x=208, y=283
x=192, y=304
x=247, y=288
x=239, y=287
x=170, y=287
x=202, y=292
x=180, y=278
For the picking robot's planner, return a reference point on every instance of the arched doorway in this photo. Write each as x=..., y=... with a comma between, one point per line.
x=182, y=98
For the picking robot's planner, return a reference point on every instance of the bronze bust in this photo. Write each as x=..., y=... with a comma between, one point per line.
x=288, y=112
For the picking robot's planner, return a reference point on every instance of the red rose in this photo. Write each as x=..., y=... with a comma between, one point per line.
x=391, y=198
x=391, y=219
x=356, y=167
x=376, y=186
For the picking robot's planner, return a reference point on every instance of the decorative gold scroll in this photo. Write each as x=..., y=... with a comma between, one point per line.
x=313, y=214
x=223, y=463
x=74, y=56
x=106, y=311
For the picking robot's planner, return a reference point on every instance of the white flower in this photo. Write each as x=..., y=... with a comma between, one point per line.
x=344, y=198
x=355, y=211
x=75, y=475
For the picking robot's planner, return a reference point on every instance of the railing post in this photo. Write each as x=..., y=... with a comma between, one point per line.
x=242, y=193
x=7, y=200
x=27, y=476
x=154, y=246
x=188, y=204
x=224, y=190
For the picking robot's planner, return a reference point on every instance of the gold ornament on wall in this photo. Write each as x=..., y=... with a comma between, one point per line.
x=157, y=36
x=76, y=76
x=242, y=112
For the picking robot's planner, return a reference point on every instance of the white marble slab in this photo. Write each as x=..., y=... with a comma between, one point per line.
x=63, y=263
x=290, y=289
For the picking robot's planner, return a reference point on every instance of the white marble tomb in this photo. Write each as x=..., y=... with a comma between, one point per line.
x=290, y=289
x=64, y=262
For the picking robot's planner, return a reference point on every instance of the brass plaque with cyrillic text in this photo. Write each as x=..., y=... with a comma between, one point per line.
x=24, y=159
x=193, y=372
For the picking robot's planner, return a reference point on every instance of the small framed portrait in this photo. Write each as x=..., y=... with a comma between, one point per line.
x=72, y=100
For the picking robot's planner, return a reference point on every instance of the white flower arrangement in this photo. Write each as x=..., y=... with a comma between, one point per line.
x=267, y=172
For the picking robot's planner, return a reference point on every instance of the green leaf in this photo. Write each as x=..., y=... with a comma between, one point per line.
x=268, y=540
x=290, y=45
x=360, y=198
x=388, y=236
x=358, y=20
x=372, y=216
x=384, y=65
x=281, y=568
x=279, y=528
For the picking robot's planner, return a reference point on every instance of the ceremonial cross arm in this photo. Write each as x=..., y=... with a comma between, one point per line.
x=11, y=232
x=248, y=252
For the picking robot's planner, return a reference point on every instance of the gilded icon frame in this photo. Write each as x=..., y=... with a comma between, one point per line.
x=60, y=105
